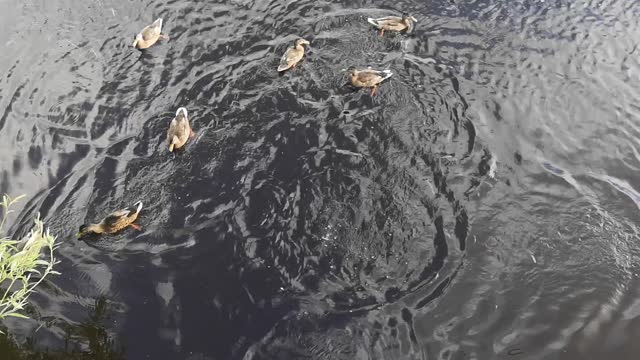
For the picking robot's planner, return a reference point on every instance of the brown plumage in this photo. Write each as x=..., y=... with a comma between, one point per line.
x=179, y=130
x=149, y=35
x=293, y=55
x=393, y=23
x=367, y=78
x=113, y=223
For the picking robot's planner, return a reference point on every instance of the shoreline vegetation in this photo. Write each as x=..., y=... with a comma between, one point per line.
x=24, y=263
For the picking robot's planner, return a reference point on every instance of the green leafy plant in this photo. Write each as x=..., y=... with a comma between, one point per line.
x=23, y=266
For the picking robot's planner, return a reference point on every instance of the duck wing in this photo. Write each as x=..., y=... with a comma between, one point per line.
x=290, y=58
x=373, y=77
x=173, y=129
x=150, y=32
x=385, y=21
x=114, y=219
x=179, y=129
x=118, y=216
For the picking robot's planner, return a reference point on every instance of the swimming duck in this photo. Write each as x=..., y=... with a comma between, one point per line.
x=367, y=78
x=394, y=23
x=179, y=130
x=113, y=223
x=149, y=35
x=293, y=55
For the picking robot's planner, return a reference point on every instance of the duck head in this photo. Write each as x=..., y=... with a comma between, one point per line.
x=301, y=42
x=86, y=230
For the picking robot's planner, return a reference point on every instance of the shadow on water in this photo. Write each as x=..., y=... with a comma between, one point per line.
x=87, y=340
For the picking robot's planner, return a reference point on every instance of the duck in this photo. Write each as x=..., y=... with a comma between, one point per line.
x=394, y=23
x=293, y=55
x=113, y=223
x=149, y=35
x=179, y=130
x=367, y=78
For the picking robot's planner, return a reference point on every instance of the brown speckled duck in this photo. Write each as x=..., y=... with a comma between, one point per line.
x=113, y=223
x=149, y=35
x=394, y=23
x=293, y=55
x=367, y=78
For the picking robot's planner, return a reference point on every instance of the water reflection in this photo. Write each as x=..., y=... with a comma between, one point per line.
x=87, y=340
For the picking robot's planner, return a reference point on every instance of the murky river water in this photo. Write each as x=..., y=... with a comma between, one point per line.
x=483, y=205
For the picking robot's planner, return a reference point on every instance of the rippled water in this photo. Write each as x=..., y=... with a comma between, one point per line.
x=483, y=205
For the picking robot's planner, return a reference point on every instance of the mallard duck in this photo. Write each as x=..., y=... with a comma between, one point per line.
x=113, y=223
x=179, y=130
x=367, y=78
x=394, y=23
x=149, y=35
x=293, y=55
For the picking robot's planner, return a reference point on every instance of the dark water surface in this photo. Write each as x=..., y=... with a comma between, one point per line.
x=483, y=205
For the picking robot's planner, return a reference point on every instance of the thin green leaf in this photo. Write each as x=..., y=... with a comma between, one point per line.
x=19, y=260
x=18, y=315
x=20, y=197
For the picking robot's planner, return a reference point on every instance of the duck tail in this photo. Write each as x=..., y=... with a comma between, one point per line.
x=182, y=112
x=158, y=23
x=171, y=147
x=387, y=74
x=410, y=27
x=373, y=22
x=138, y=206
